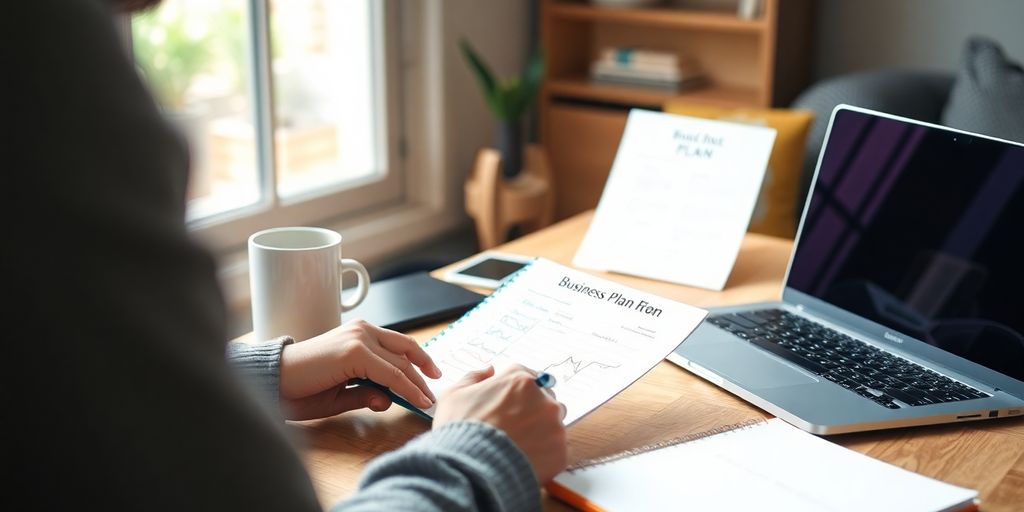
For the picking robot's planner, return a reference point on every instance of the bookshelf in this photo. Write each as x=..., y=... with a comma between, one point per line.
x=759, y=62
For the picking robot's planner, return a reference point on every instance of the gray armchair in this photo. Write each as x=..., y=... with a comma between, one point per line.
x=985, y=95
x=915, y=94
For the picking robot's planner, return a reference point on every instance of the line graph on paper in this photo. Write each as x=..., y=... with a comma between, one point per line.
x=568, y=368
x=543, y=333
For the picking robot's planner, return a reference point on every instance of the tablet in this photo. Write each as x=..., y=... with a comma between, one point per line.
x=413, y=300
x=487, y=269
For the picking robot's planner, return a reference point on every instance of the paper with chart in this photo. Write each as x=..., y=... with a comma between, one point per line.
x=595, y=336
x=678, y=199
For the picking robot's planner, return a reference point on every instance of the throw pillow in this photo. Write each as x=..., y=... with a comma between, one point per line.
x=777, y=205
x=988, y=94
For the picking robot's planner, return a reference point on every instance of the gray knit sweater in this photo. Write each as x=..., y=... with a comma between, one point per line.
x=461, y=466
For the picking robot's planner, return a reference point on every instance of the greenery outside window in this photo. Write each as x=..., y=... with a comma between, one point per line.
x=289, y=106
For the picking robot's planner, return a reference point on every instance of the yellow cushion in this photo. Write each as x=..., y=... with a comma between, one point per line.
x=776, y=210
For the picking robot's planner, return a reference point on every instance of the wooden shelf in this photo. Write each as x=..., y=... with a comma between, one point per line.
x=667, y=18
x=581, y=88
x=750, y=63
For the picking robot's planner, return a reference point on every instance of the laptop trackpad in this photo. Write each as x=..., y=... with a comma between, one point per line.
x=747, y=366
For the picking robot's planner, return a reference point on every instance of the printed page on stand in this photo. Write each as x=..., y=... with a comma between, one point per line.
x=595, y=336
x=678, y=199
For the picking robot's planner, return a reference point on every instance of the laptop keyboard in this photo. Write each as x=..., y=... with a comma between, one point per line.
x=853, y=364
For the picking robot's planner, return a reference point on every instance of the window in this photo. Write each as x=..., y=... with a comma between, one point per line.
x=288, y=106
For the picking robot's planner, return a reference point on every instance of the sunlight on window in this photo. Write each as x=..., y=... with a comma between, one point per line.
x=325, y=95
x=326, y=88
x=195, y=56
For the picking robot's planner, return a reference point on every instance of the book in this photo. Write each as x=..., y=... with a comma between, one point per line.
x=678, y=199
x=665, y=62
x=600, y=68
x=666, y=73
x=628, y=55
x=615, y=66
x=642, y=81
x=753, y=465
x=632, y=82
x=595, y=336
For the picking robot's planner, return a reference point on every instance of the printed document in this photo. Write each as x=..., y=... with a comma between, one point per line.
x=678, y=200
x=595, y=336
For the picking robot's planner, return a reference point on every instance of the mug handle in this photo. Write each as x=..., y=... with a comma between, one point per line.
x=350, y=265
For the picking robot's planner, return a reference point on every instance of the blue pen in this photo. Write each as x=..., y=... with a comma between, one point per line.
x=545, y=380
x=395, y=398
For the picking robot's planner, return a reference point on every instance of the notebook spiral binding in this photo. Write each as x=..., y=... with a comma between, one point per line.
x=485, y=300
x=597, y=461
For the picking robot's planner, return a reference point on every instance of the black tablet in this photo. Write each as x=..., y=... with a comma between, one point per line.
x=413, y=300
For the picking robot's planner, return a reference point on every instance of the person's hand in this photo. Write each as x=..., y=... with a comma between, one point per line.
x=514, y=403
x=315, y=373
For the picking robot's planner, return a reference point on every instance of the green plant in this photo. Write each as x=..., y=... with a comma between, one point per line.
x=170, y=55
x=509, y=98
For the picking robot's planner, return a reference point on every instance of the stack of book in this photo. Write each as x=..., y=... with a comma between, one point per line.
x=647, y=68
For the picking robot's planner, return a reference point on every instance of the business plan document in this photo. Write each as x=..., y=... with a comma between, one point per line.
x=678, y=199
x=595, y=336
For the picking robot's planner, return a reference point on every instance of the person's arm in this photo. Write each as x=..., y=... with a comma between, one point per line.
x=121, y=397
x=124, y=398
x=259, y=366
x=490, y=433
x=460, y=467
x=495, y=439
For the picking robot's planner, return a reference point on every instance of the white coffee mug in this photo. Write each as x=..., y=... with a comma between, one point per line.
x=295, y=282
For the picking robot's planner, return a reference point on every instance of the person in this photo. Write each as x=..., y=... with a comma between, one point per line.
x=120, y=389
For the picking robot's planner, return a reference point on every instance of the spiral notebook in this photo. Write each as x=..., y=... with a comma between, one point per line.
x=752, y=466
x=595, y=336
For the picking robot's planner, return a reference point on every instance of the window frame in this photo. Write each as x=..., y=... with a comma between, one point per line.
x=431, y=195
x=386, y=188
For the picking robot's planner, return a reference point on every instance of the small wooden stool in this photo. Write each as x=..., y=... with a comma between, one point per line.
x=497, y=204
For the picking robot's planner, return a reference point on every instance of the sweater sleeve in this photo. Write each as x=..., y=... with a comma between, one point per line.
x=259, y=366
x=463, y=466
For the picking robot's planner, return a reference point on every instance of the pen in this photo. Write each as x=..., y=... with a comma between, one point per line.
x=395, y=398
x=545, y=380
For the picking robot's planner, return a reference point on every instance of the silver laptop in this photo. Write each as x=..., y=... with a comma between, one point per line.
x=904, y=299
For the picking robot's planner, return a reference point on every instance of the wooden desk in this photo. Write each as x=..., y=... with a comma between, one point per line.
x=669, y=401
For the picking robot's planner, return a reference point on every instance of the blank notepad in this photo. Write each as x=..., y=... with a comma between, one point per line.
x=762, y=465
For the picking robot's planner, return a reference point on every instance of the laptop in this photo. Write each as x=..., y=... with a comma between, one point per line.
x=903, y=302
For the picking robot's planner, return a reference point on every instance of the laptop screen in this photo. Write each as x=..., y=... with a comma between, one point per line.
x=920, y=229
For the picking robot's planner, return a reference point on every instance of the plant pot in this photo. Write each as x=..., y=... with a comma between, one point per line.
x=510, y=145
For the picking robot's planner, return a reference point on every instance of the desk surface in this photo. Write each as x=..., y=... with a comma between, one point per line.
x=669, y=401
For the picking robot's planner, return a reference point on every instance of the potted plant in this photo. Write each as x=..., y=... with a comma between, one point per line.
x=508, y=99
